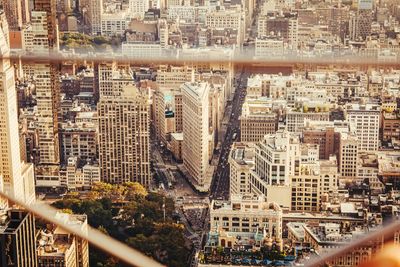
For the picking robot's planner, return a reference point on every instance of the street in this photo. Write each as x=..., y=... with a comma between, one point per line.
x=220, y=184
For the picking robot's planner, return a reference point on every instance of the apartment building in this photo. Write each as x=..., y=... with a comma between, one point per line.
x=124, y=129
x=366, y=119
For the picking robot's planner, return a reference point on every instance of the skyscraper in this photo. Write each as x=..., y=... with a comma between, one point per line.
x=13, y=10
x=360, y=23
x=49, y=6
x=42, y=36
x=17, y=176
x=92, y=11
x=124, y=130
x=195, y=114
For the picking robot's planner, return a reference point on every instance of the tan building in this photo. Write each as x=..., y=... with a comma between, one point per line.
x=17, y=176
x=124, y=137
x=112, y=78
x=175, y=145
x=368, y=170
x=79, y=140
x=58, y=248
x=246, y=216
x=277, y=158
x=366, y=119
x=257, y=120
x=390, y=126
x=196, y=131
x=305, y=110
x=348, y=156
x=169, y=76
x=228, y=19
x=92, y=11
x=241, y=161
x=167, y=104
x=306, y=191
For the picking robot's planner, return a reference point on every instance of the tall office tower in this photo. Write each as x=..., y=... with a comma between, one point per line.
x=17, y=239
x=366, y=120
x=49, y=6
x=92, y=11
x=138, y=7
x=124, y=137
x=13, y=10
x=360, y=22
x=72, y=251
x=17, y=176
x=195, y=147
x=42, y=36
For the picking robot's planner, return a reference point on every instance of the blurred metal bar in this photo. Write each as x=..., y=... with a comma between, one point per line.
x=93, y=236
x=237, y=58
x=384, y=232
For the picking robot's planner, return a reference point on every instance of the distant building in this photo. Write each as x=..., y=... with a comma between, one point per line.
x=366, y=119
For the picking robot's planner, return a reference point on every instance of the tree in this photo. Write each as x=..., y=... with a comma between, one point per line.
x=134, y=189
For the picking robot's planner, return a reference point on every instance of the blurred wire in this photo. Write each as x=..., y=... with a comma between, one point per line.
x=206, y=56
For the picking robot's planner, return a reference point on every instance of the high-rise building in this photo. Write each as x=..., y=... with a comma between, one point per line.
x=49, y=6
x=92, y=11
x=366, y=120
x=43, y=36
x=13, y=10
x=17, y=176
x=348, y=155
x=277, y=157
x=124, y=137
x=195, y=147
x=17, y=239
x=361, y=21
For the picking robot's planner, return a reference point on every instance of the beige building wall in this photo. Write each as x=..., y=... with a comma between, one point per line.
x=195, y=147
x=124, y=137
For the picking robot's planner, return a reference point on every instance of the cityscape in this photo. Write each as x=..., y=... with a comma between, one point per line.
x=199, y=133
